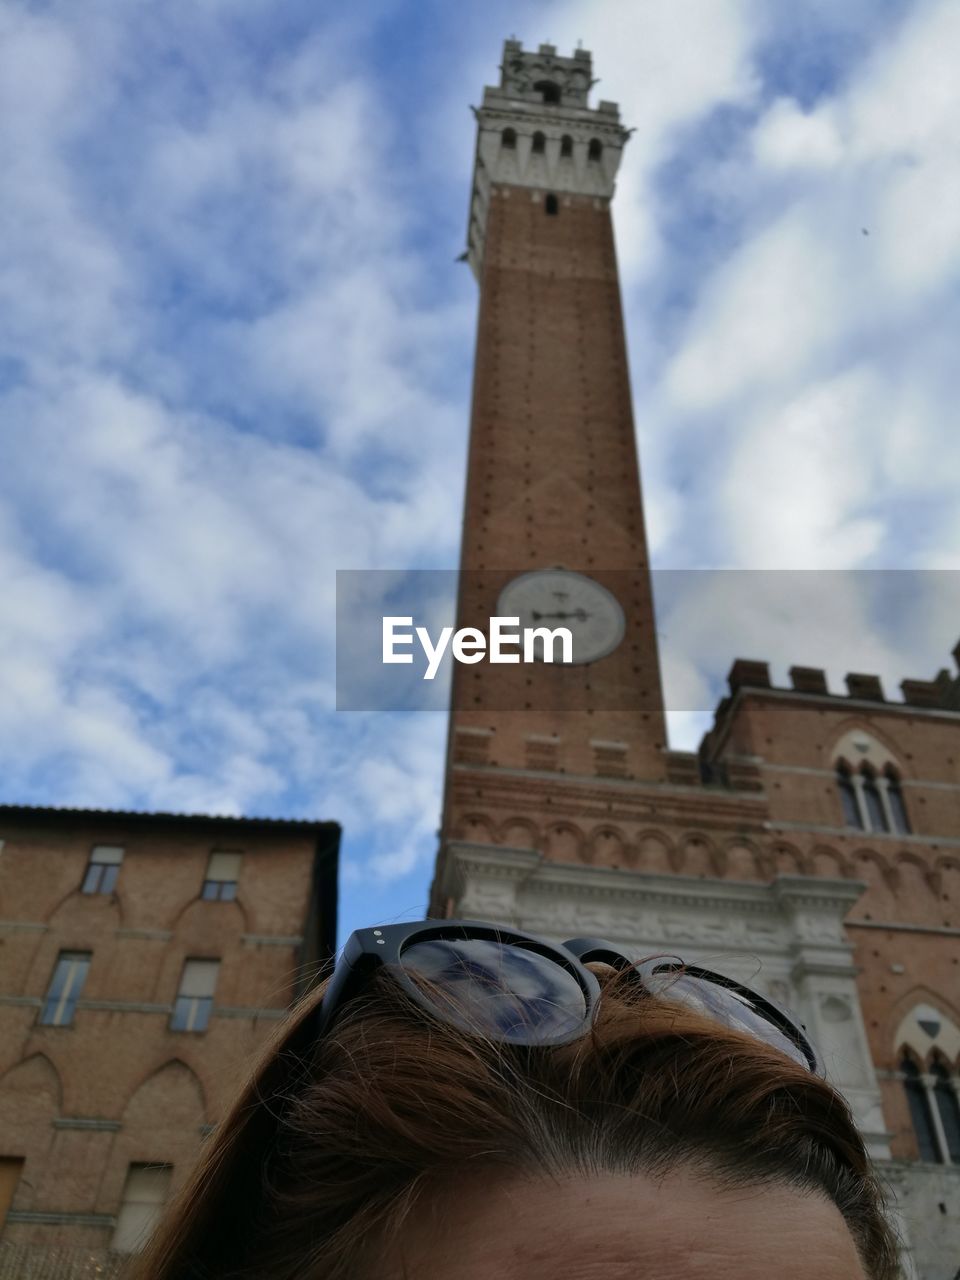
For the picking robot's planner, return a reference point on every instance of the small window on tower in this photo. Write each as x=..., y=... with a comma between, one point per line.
x=509, y=139
x=549, y=91
x=566, y=146
x=551, y=205
x=595, y=149
x=539, y=143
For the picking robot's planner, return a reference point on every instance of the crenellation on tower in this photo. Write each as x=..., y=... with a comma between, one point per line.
x=536, y=130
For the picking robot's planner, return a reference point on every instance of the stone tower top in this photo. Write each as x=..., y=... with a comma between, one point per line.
x=543, y=76
x=536, y=130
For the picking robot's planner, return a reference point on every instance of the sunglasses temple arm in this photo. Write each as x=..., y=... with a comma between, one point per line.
x=598, y=951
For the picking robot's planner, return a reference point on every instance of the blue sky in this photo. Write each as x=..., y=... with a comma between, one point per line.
x=235, y=356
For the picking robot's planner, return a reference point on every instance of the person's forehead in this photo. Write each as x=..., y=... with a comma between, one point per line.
x=629, y=1228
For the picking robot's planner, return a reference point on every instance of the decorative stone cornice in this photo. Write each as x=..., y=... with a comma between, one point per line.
x=613, y=799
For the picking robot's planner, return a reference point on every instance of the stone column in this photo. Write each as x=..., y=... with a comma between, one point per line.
x=826, y=980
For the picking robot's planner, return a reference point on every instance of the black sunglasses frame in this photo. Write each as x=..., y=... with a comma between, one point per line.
x=367, y=950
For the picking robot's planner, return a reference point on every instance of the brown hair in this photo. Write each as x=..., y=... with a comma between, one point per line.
x=315, y=1169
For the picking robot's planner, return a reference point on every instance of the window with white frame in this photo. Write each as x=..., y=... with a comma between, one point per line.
x=921, y=1112
x=933, y=1097
x=223, y=872
x=144, y=1195
x=69, y=975
x=946, y=1096
x=871, y=800
x=928, y=1060
x=194, y=1002
x=102, y=869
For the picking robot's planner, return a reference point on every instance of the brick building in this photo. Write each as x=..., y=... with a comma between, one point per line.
x=143, y=960
x=815, y=833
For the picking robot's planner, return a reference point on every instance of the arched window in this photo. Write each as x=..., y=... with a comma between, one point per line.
x=595, y=149
x=508, y=139
x=876, y=815
x=551, y=205
x=919, y=1105
x=948, y=1106
x=898, y=810
x=566, y=146
x=539, y=143
x=848, y=798
x=549, y=91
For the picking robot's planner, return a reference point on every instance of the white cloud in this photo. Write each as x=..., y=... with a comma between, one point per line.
x=765, y=316
x=789, y=138
x=667, y=65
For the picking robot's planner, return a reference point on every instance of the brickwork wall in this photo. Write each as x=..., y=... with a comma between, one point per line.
x=552, y=477
x=82, y=1102
x=906, y=926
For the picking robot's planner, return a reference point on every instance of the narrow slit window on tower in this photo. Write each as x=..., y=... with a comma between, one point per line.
x=566, y=147
x=848, y=798
x=508, y=139
x=919, y=1105
x=595, y=149
x=549, y=91
x=539, y=143
x=551, y=205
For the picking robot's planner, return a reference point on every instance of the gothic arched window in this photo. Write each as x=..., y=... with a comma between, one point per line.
x=549, y=91
x=848, y=798
x=948, y=1106
x=898, y=810
x=920, y=1115
x=566, y=146
x=539, y=143
x=551, y=205
x=595, y=149
x=509, y=139
x=876, y=814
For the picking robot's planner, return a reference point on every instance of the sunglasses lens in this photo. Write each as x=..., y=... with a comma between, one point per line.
x=722, y=1005
x=497, y=989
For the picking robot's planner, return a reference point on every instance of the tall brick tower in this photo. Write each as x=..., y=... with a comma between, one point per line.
x=553, y=522
x=812, y=845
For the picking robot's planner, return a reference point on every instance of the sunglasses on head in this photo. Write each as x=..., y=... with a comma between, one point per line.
x=516, y=988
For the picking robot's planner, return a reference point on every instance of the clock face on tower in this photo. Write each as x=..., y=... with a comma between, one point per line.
x=560, y=598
